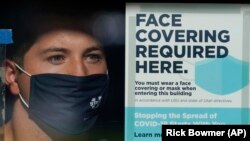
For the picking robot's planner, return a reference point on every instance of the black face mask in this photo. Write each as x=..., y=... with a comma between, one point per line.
x=70, y=104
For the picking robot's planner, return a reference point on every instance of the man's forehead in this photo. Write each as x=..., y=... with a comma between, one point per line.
x=65, y=37
x=65, y=41
x=65, y=32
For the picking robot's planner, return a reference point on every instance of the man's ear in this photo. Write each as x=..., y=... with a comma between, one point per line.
x=10, y=76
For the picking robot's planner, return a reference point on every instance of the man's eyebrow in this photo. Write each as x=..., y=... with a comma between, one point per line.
x=65, y=50
x=55, y=49
x=94, y=48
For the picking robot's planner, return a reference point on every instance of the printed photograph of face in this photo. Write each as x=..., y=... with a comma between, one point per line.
x=61, y=76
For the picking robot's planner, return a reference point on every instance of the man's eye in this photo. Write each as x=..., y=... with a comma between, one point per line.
x=94, y=58
x=56, y=60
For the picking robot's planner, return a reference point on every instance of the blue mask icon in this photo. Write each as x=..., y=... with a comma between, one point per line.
x=222, y=76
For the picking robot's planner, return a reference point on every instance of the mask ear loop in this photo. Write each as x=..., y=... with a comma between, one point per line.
x=107, y=73
x=22, y=99
x=22, y=70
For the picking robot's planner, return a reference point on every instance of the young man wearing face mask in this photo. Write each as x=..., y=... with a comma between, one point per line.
x=57, y=73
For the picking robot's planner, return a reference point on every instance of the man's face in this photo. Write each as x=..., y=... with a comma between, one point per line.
x=62, y=52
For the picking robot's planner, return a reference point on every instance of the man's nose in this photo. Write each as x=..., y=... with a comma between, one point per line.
x=78, y=68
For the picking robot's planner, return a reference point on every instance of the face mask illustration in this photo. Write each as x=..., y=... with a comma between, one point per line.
x=222, y=76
